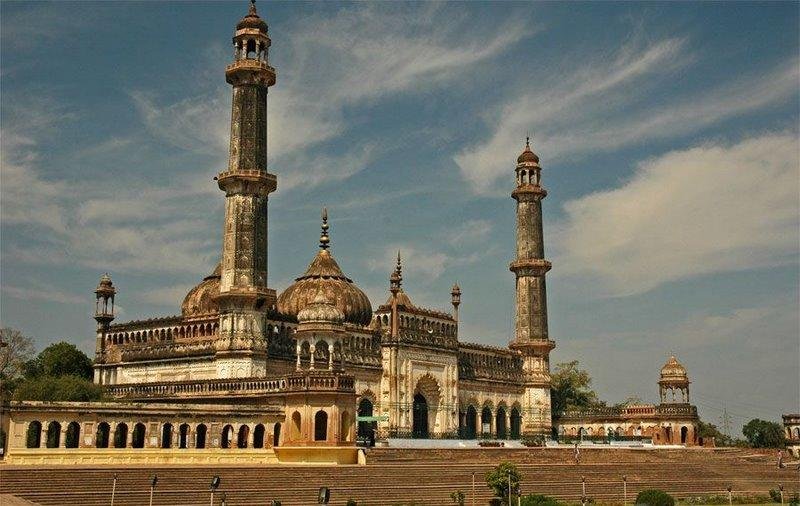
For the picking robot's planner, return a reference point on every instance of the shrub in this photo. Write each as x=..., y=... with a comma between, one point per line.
x=458, y=497
x=351, y=502
x=538, y=500
x=654, y=497
x=497, y=479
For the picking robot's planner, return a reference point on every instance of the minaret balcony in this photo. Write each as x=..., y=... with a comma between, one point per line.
x=530, y=266
x=250, y=71
x=528, y=191
x=251, y=181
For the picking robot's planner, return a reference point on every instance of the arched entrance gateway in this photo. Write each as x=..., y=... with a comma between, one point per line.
x=419, y=427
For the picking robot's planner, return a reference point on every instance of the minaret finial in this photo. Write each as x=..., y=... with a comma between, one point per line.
x=399, y=265
x=252, y=10
x=324, y=240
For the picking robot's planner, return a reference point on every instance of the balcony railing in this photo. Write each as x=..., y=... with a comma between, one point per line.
x=235, y=387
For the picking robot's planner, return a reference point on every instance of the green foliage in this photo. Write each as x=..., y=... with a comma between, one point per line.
x=497, y=479
x=64, y=388
x=13, y=356
x=60, y=359
x=351, y=502
x=723, y=499
x=572, y=389
x=653, y=497
x=458, y=497
x=538, y=500
x=764, y=434
x=788, y=498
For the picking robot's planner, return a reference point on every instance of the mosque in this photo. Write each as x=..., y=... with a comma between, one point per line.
x=318, y=366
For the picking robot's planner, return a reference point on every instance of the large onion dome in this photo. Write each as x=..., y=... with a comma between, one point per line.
x=200, y=299
x=325, y=277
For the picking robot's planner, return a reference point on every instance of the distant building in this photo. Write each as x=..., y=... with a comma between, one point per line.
x=672, y=421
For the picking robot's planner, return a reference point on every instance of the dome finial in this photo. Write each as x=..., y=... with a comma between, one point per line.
x=324, y=240
x=252, y=10
x=399, y=268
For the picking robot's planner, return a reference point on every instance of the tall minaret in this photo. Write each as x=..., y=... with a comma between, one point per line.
x=530, y=333
x=244, y=298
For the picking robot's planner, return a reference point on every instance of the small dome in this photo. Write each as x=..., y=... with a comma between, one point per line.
x=320, y=310
x=252, y=20
x=673, y=371
x=105, y=280
x=527, y=155
x=201, y=299
x=402, y=300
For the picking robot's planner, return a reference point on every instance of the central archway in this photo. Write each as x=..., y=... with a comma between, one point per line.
x=365, y=428
x=419, y=427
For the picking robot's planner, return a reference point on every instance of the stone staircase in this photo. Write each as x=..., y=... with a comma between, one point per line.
x=396, y=476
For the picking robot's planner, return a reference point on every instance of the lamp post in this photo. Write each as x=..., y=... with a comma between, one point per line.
x=780, y=487
x=583, y=490
x=473, y=488
x=113, y=489
x=730, y=498
x=214, y=486
x=153, y=482
x=624, y=490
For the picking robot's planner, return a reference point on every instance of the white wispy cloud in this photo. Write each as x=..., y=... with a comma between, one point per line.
x=470, y=231
x=598, y=107
x=712, y=208
x=43, y=293
x=330, y=63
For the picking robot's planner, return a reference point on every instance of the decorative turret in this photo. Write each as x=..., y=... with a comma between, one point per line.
x=531, y=336
x=103, y=315
x=673, y=379
x=103, y=312
x=455, y=299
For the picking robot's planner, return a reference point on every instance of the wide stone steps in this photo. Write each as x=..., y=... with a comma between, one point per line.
x=393, y=478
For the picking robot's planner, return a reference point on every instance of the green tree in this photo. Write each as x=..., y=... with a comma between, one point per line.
x=458, y=497
x=18, y=350
x=64, y=388
x=60, y=359
x=764, y=434
x=498, y=480
x=571, y=389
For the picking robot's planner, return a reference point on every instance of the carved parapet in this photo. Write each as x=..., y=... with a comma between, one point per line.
x=320, y=381
x=530, y=266
x=534, y=347
x=528, y=192
x=248, y=182
x=248, y=71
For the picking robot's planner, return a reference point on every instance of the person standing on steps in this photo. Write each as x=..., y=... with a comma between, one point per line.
x=577, y=454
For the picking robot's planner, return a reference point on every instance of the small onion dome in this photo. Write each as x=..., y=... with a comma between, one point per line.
x=673, y=371
x=252, y=20
x=456, y=290
x=321, y=310
x=527, y=155
x=105, y=286
x=201, y=299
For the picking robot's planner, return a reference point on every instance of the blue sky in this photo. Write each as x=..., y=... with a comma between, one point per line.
x=668, y=133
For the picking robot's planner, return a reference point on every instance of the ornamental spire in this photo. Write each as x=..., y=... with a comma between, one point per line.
x=324, y=240
x=252, y=9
